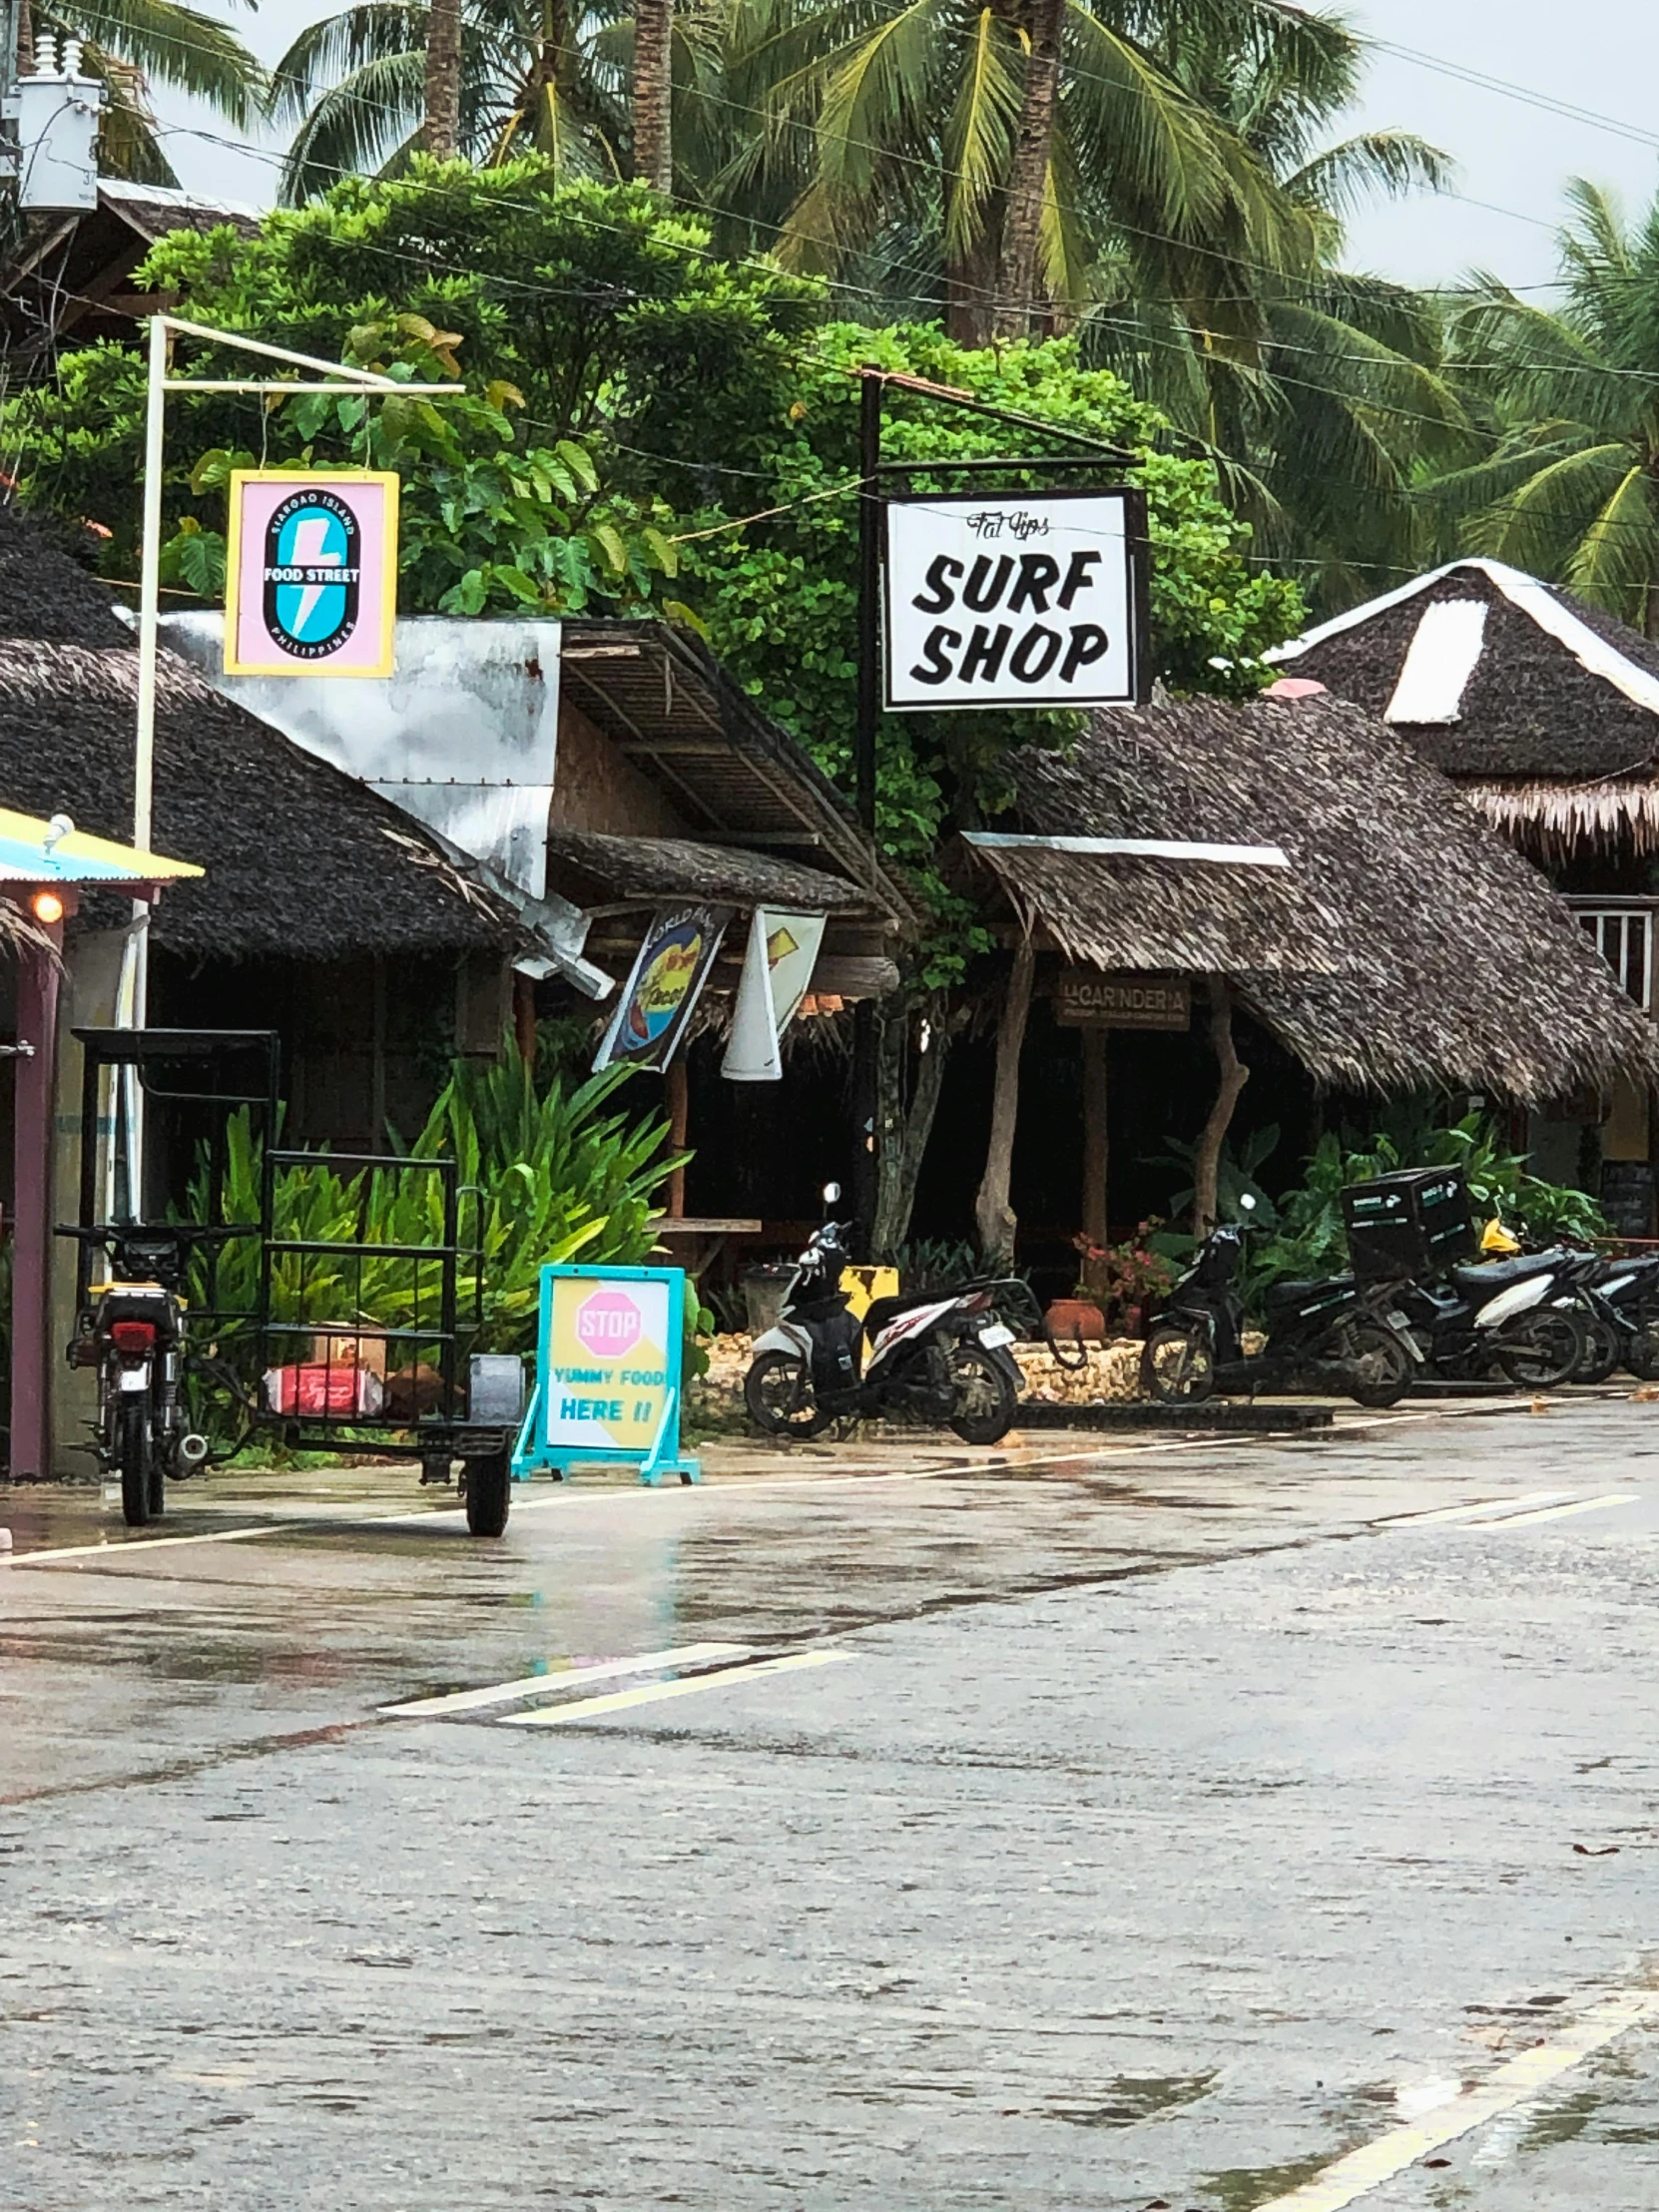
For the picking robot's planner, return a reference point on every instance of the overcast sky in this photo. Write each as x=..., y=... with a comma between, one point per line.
x=1600, y=56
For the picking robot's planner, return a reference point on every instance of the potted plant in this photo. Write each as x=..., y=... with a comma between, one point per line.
x=1116, y=1285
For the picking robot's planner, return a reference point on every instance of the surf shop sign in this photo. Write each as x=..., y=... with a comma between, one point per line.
x=312, y=573
x=1025, y=599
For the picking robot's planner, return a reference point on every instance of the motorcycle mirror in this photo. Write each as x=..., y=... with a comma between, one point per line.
x=832, y=1191
x=1246, y=1202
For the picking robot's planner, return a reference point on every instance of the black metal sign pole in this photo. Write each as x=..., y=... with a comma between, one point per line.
x=874, y=381
x=864, y=1134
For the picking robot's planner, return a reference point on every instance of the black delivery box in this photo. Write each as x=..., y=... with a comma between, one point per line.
x=1413, y=1224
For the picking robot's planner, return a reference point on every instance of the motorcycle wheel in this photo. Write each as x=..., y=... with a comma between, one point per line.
x=1602, y=1349
x=1641, y=1355
x=983, y=1397
x=778, y=1392
x=138, y=1476
x=1541, y=1349
x=1179, y=1367
x=1377, y=1367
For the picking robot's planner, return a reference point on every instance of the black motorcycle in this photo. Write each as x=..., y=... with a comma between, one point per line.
x=1619, y=1301
x=943, y=1360
x=1329, y=1335
x=1521, y=1318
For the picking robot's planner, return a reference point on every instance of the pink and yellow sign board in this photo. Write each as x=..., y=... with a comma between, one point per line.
x=312, y=573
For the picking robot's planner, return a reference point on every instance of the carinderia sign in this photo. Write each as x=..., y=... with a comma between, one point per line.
x=312, y=573
x=1022, y=599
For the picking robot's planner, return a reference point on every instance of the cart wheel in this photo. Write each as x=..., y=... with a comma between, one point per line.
x=489, y=1489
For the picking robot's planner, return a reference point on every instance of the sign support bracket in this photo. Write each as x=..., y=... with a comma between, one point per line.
x=133, y=991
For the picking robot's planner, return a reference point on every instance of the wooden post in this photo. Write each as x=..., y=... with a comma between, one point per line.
x=1095, y=1153
x=1234, y=1076
x=677, y=1092
x=33, y=1114
x=993, y=1216
x=524, y=1018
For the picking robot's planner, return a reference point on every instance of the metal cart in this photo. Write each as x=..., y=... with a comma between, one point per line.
x=333, y=1336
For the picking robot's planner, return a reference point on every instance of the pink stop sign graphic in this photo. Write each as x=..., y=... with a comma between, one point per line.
x=608, y=1325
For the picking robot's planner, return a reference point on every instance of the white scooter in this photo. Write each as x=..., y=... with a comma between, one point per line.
x=940, y=1361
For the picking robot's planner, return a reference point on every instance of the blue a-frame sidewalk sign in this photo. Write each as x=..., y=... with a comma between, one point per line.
x=609, y=1346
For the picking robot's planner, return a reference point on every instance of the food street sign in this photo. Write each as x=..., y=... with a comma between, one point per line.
x=608, y=1372
x=311, y=573
x=1088, y=998
x=1025, y=599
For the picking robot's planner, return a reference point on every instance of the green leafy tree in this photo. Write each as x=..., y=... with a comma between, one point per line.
x=1571, y=489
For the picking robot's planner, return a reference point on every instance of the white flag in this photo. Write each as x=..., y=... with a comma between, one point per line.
x=776, y=969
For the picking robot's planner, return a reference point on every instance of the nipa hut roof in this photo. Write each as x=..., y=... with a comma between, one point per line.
x=1546, y=709
x=594, y=867
x=1404, y=945
x=301, y=861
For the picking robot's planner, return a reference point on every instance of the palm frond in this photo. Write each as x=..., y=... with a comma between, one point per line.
x=173, y=45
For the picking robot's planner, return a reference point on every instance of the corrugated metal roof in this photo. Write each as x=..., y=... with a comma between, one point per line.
x=30, y=852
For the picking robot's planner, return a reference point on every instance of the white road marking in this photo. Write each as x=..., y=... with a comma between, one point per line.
x=1608, y=2017
x=653, y=1693
x=143, y=1543
x=1560, y=1512
x=1473, y=1512
x=546, y=1685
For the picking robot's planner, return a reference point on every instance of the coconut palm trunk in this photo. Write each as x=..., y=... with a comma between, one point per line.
x=440, y=131
x=1018, y=278
x=654, y=93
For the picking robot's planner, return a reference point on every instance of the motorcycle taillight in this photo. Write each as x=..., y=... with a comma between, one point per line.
x=133, y=1335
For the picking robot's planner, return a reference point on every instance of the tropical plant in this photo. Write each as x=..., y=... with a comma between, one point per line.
x=591, y=86
x=128, y=45
x=545, y=1174
x=1321, y=392
x=1571, y=491
x=1010, y=145
x=1310, y=1239
x=1120, y=1277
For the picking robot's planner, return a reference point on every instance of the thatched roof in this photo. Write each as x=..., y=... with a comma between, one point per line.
x=301, y=861
x=727, y=768
x=1546, y=708
x=594, y=867
x=1409, y=944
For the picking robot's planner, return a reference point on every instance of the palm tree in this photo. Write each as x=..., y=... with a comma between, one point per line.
x=130, y=44
x=1008, y=142
x=443, y=122
x=654, y=93
x=1571, y=491
x=1321, y=392
x=550, y=76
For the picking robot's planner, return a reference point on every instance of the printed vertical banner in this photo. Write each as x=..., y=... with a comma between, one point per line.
x=609, y=1363
x=667, y=979
x=778, y=967
x=311, y=573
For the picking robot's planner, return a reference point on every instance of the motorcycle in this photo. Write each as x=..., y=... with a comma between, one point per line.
x=1522, y=1316
x=941, y=1360
x=133, y=1331
x=1330, y=1332
x=1624, y=1299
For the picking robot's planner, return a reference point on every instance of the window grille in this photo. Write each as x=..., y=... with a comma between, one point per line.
x=1623, y=936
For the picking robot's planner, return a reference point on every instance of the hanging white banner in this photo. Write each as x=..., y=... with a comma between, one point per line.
x=1024, y=599
x=776, y=969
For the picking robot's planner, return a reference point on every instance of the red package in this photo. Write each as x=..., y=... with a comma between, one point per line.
x=338, y=1391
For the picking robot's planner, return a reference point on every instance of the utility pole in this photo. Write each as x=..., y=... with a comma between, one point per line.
x=865, y=1135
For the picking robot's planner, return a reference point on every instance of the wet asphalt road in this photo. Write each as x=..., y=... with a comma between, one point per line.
x=1173, y=1824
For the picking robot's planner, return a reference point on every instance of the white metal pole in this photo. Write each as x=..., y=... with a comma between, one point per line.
x=149, y=584
x=133, y=1004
